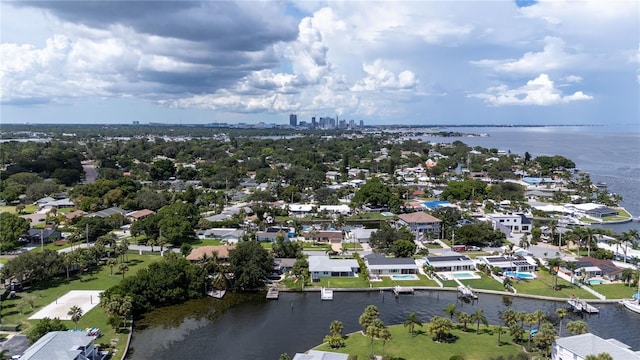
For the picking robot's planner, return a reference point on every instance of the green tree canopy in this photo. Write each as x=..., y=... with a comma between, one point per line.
x=12, y=226
x=44, y=326
x=250, y=264
x=374, y=193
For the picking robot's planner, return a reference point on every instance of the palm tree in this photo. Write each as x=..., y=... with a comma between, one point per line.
x=577, y=327
x=123, y=268
x=411, y=321
x=374, y=330
x=440, y=326
x=385, y=335
x=539, y=316
x=4, y=354
x=554, y=264
x=111, y=262
x=450, y=310
x=571, y=266
x=500, y=330
x=627, y=275
x=553, y=226
x=561, y=313
x=600, y=356
x=76, y=313
x=336, y=328
x=479, y=317
x=464, y=318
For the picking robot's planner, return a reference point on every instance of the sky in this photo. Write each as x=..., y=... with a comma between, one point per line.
x=383, y=62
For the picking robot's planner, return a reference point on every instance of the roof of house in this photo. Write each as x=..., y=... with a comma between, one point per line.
x=589, y=344
x=285, y=262
x=198, y=253
x=377, y=260
x=606, y=266
x=60, y=345
x=320, y=355
x=438, y=259
x=140, y=213
x=418, y=217
x=75, y=214
x=45, y=233
x=108, y=212
x=324, y=263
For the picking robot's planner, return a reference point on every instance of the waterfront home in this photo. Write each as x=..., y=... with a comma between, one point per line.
x=578, y=347
x=139, y=215
x=323, y=266
x=587, y=267
x=450, y=261
x=378, y=264
x=360, y=235
x=320, y=355
x=63, y=345
x=282, y=265
x=221, y=252
x=420, y=223
x=508, y=263
x=597, y=211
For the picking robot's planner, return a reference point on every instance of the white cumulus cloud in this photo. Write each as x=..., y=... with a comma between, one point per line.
x=380, y=79
x=540, y=91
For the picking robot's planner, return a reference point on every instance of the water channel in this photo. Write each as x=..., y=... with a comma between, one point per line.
x=253, y=328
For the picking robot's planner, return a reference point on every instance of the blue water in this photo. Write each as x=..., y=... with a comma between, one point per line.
x=403, y=277
x=463, y=275
x=519, y=275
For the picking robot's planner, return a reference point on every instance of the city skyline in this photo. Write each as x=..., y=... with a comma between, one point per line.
x=414, y=63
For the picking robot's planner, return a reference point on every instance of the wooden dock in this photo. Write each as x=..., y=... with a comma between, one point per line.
x=582, y=306
x=272, y=294
x=326, y=294
x=397, y=290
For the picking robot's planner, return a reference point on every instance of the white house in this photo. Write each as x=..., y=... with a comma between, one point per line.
x=323, y=266
x=508, y=264
x=360, y=235
x=509, y=222
x=320, y=355
x=578, y=347
x=378, y=264
x=420, y=223
x=450, y=262
x=228, y=235
x=62, y=345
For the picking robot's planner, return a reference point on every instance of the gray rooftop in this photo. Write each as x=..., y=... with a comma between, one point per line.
x=59, y=345
x=589, y=344
x=320, y=355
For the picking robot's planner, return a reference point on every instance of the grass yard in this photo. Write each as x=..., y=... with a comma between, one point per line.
x=28, y=209
x=486, y=283
x=55, y=246
x=615, y=291
x=342, y=282
x=403, y=346
x=208, y=242
x=542, y=286
x=449, y=283
x=17, y=310
x=388, y=282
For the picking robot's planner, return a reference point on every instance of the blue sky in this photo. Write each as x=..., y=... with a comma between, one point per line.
x=384, y=62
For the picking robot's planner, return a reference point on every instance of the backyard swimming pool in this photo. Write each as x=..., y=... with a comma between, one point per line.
x=464, y=275
x=520, y=275
x=595, y=281
x=404, y=277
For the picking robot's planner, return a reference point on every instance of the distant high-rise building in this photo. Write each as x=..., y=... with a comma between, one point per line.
x=293, y=120
x=352, y=124
x=313, y=122
x=361, y=123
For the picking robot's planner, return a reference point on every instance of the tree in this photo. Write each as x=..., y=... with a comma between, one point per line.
x=539, y=316
x=368, y=316
x=450, y=310
x=479, y=317
x=561, y=313
x=12, y=227
x=577, y=327
x=185, y=249
x=284, y=356
x=627, y=275
x=374, y=330
x=334, y=339
x=404, y=248
x=375, y=194
x=545, y=337
x=411, y=321
x=123, y=268
x=111, y=262
x=44, y=326
x=76, y=313
x=600, y=356
x=440, y=326
x=554, y=264
x=500, y=330
x=336, y=328
x=385, y=336
x=250, y=264
x=464, y=318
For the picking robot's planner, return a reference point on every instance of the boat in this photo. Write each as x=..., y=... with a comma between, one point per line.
x=631, y=304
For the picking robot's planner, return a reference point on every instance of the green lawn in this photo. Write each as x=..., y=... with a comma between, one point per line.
x=17, y=310
x=388, y=282
x=542, y=286
x=207, y=242
x=342, y=282
x=403, y=346
x=486, y=283
x=615, y=291
x=55, y=246
x=28, y=209
x=449, y=283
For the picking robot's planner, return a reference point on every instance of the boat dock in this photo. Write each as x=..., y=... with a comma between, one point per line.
x=582, y=306
x=272, y=294
x=466, y=292
x=326, y=294
x=397, y=290
x=218, y=294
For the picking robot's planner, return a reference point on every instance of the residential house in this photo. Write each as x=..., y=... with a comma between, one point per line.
x=360, y=235
x=328, y=236
x=323, y=266
x=63, y=345
x=320, y=355
x=450, y=262
x=139, y=214
x=40, y=236
x=74, y=214
x=228, y=235
x=578, y=347
x=587, y=267
x=509, y=222
x=420, y=223
x=108, y=212
x=282, y=265
x=378, y=264
x=221, y=251
x=509, y=264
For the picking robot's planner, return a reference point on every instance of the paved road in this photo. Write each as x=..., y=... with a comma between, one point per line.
x=90, y=172
x=16, y=344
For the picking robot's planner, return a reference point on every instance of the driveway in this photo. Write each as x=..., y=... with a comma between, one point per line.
x=16, y=344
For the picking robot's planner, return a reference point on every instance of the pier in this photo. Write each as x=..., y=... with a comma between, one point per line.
x=397, y=290
x=466, y=292
x=272, y=294
x=582, y=306
x=326, y=294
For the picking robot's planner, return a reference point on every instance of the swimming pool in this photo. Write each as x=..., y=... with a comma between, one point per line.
x=463, y=275
x=404, y=277
x=520, y=275
x=595, y=281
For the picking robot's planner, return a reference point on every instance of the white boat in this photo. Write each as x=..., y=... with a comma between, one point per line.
x=632, y=304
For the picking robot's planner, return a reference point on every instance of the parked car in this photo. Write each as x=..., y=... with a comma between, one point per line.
x=473, y=248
